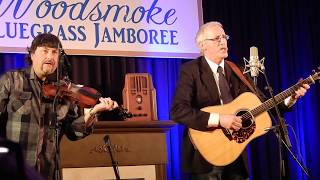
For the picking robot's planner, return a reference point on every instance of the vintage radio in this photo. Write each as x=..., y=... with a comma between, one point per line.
x=139, y=96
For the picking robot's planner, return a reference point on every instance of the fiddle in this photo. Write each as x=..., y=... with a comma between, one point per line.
x=85, y=97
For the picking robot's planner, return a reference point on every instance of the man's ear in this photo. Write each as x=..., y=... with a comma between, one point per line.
x=202, y=46
x=31, y=57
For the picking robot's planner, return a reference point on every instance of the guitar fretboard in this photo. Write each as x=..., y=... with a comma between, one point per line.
x=268, y=104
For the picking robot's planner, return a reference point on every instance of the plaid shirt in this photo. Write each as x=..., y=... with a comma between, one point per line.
x=26, y=114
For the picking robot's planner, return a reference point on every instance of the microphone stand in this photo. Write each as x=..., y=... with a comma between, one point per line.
x=281, y=132
x=113, y=161
x=55, y=124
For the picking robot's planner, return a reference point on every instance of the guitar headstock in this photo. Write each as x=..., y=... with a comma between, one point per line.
x=316, y=74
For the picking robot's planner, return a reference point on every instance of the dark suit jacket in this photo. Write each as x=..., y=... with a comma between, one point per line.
x=196, y=89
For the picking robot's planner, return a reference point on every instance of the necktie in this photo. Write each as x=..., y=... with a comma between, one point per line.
x=224, y=87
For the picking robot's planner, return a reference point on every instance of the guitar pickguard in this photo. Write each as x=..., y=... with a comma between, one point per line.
x=244, y=133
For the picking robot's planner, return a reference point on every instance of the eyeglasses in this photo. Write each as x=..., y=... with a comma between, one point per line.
x=218, y=38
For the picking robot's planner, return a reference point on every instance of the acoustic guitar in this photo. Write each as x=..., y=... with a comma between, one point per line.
x=220, y=146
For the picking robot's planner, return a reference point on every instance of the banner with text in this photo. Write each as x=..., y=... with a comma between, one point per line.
x=146, y=28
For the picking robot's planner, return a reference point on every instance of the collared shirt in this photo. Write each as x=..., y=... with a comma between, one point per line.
x=29, y=115
x=214, y=68
x=214, y=117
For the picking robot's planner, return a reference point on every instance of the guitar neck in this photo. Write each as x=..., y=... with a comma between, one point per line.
x=268, y=104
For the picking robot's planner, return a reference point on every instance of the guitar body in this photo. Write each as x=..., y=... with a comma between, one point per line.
x=221, y=147
x=215, y=146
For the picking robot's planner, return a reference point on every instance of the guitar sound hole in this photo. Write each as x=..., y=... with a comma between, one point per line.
x=246, y=122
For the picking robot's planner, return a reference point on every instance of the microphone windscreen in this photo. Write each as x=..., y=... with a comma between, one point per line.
x=106, y=139
x=253, y=51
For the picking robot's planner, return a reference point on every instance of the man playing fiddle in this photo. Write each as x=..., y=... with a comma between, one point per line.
x=26, y=115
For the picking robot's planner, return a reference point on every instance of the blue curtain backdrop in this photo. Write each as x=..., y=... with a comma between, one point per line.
x=286, y=33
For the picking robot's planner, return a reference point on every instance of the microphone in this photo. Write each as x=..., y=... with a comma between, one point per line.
x=106, y=139
x=254, y=61
x=62, y=52
x=254, y=65
x=64, y=64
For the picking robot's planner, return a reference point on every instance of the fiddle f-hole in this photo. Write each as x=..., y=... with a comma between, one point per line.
x=247, y=120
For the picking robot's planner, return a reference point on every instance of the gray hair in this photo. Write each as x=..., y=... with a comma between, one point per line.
x=201, y=36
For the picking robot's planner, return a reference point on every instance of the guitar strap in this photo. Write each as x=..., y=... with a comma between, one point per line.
x=237, y=71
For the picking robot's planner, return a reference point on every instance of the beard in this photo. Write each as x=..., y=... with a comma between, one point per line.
x=47, y=69
x=44, y=71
